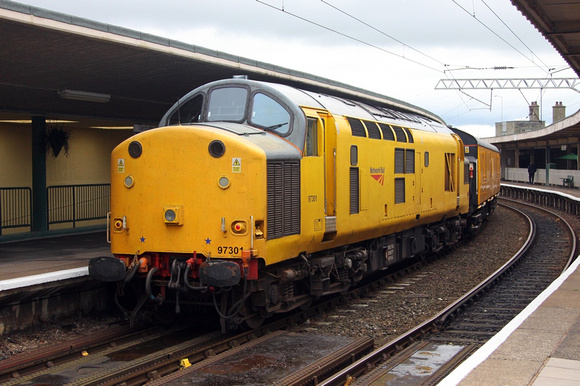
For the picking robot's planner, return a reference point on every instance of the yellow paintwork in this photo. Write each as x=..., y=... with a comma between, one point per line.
x=176, y=170
x=488, y=175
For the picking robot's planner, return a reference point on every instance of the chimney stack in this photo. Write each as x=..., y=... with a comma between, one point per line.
x=558, y=112
x=534, y=112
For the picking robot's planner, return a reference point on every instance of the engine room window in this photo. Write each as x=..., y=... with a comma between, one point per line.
x=312, y=137
x=353, y=155
x=426, y=159
x=227, y=104
x=188, y=112
x=270, y=115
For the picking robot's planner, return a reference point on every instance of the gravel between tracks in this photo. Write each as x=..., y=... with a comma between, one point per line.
x=383, y=314
x=388, y=312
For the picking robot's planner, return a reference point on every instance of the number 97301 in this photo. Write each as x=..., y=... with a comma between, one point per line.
x=229, y=250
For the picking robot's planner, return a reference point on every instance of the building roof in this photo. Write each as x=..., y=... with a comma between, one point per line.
x=45, y=52
x=559, y=22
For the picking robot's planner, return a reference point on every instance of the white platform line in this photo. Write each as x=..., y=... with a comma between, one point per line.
x=43, y=278
x=487, y=349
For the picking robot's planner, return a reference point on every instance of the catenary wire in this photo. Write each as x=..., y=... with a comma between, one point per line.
x=346, y=36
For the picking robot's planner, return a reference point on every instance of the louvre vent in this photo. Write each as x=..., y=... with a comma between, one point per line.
x=399, y=160
x=399, y=190
x=373, y=130
x=283, y=199
x=410, y=136
x=387, y=132
x=354, y=191
x=357, y=128
x=400, y=134
x=410, y=161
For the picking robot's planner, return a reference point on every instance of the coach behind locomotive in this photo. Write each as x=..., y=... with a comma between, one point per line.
x=258, y=198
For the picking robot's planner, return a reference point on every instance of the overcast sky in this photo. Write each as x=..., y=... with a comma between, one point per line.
x=396, y=48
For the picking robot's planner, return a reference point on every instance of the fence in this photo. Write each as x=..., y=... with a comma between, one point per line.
x=556, y=176
x=73, y=203
x=65, y=204
x=15, y=208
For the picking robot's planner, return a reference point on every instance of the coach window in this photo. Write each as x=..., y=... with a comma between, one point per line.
x=270, y=115
x=227, y=104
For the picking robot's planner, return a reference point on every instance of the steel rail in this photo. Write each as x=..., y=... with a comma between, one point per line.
x=433, y=324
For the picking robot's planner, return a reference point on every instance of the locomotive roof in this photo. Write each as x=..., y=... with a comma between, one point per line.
x=390, y=111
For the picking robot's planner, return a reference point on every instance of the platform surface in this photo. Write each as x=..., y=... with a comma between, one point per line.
x=541, y=346
x=43, y=256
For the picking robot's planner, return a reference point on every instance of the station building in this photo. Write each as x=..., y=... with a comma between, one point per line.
x=553, y=149
x=71, y=89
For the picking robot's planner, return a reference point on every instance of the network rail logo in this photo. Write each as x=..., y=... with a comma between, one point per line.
x=378, y=174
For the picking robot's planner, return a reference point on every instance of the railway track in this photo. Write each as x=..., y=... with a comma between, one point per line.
x=201, y=352
x=430, y=351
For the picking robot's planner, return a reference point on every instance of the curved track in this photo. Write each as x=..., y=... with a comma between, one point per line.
x=463, y=326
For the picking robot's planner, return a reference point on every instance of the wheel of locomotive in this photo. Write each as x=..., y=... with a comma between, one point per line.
x=251, y=317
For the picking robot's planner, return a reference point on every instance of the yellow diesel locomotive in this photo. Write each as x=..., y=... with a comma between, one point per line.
x=255, y=198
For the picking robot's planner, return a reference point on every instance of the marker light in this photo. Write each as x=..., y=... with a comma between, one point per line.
x=129, y=181
x=239, y=227
x=224, y=182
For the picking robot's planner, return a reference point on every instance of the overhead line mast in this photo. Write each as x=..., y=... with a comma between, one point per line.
x=522, y=83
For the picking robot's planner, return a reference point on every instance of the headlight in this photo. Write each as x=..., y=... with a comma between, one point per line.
x=216, y=148
x=135, y=149
x=173, y=215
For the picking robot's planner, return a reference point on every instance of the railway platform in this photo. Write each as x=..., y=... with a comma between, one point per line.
x=541, y=346
x=38, y=261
